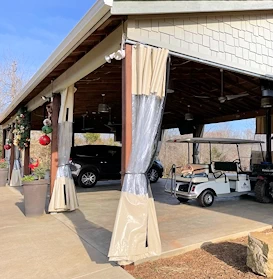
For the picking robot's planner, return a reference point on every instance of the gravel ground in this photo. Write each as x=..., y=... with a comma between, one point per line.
x=225, y=260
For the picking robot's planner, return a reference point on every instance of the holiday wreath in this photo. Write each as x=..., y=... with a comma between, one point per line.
x=21, y=129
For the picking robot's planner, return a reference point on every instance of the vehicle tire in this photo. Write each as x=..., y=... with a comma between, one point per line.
x=87, y=178
x=153, y=175
x=206, y=198
x=182, y=200
x=261, y=193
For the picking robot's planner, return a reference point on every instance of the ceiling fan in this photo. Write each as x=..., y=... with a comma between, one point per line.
x=223, y=98
x=111, y=125
x=85, y=129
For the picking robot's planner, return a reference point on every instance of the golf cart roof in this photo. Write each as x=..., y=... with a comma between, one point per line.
x=215, y=141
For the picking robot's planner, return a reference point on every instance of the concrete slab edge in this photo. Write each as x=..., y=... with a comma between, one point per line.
x=183, y=250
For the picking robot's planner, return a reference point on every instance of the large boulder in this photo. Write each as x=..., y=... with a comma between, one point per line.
x=260, y=253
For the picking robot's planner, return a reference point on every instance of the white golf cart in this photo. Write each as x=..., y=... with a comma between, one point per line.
x=205, y=181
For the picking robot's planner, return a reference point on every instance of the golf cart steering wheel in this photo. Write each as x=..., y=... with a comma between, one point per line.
x=236, y=161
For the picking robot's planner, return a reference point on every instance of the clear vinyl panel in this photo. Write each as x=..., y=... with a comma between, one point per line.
x=136, y=234
x=16, y=176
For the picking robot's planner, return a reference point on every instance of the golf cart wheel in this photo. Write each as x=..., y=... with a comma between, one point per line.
x=182, y=200
x=153, y=175
x=206, y=198
x=261, y=191
x=87, y=178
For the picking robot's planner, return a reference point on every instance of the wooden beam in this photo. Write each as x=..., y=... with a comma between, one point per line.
x=11, y=160
x=54, y=139
x=26, y=161
x=126, y=108
x=3, y=143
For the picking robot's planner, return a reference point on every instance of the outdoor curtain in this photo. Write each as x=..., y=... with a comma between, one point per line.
x=16, y=176
x=136, y=235
x=7, y=155
x=64, y=196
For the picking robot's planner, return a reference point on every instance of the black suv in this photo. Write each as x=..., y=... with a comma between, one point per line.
x=90, y=163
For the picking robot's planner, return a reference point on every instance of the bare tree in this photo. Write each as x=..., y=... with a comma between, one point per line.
x=12, y=80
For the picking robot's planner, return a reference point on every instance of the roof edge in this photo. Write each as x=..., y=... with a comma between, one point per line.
x=89, y=20
x=168, y=7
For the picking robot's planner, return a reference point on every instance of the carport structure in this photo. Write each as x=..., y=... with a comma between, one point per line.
x=215, y=48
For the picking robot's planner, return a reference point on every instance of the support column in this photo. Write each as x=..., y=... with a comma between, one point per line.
x=4, y=136
x=11, y=158
x=26, y=161
x=126, y=109
x=268, y=136
x=54, y=139
x=198, y=132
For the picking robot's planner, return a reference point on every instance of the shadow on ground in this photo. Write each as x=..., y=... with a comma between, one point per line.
x=233, y=254
x=89, y=233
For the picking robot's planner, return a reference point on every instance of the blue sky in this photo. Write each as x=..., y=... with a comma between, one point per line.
x=238, y=125
x=30, y=30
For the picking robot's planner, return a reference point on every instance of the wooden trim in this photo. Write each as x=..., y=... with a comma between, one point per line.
x=54, y=139
x=126, y=108
x=4, y=136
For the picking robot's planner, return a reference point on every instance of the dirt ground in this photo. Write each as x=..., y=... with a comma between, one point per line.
x=225, y=260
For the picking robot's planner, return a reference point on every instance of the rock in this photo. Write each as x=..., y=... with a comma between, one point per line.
x=260, y=253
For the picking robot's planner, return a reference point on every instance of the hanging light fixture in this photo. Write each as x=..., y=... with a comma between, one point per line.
x=267, y=94
x=188, y=115
x=266, y=102
x=103, y=108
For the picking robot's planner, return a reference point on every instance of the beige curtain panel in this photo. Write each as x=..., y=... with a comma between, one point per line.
x=64, y=197
x=136, y=235
x=16, y=175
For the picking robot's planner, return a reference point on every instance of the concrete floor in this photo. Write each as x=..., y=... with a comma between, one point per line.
x=44, y=247
x=75, y=244
x=182, y=227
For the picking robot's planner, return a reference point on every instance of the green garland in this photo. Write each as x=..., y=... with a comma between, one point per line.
x=22, y=129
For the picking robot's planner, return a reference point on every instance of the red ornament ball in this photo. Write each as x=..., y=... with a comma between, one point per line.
x=44, y=140
x=7, y=147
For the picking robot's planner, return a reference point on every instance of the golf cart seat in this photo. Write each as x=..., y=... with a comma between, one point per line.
x=198, y=172
x=229, y=169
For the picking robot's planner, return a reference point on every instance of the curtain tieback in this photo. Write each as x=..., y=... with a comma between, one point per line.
x=62, y=165
x=135, y=173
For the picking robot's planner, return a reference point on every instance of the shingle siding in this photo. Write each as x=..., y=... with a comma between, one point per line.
x=243, y=41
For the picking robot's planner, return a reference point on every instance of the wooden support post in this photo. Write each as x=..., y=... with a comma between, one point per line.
x=54, y=139
x=3, y=143
x=26, y=161
x=126, y=109
x=11, y=160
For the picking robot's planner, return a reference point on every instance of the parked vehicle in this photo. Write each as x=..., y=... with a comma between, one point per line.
x=90, y=163
x=205, y=181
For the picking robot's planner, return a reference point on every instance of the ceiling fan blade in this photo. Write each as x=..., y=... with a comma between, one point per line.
x=112, y=129
x=232, y=97
x=87, y=129
x=202, y=96
x=222, y=99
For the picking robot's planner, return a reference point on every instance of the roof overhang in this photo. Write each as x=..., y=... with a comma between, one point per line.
x=98, y=14
x=166, y=7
